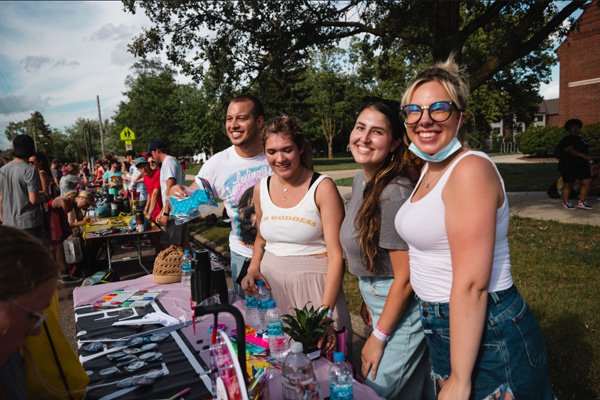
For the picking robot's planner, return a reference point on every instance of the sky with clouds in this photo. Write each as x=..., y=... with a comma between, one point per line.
x=55, y=57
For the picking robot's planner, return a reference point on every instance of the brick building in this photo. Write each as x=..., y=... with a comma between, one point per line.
x=579, y=57
x=547, y=113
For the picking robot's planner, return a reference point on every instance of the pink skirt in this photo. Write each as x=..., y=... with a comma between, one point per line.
x=298, y=280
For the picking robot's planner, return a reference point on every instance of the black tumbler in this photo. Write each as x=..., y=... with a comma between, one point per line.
x=201, y=275
x=218, y=284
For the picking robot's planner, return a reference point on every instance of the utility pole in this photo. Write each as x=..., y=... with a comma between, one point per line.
x=89, y=145
x=85, y=130
x=100, y=124
x=32, y=129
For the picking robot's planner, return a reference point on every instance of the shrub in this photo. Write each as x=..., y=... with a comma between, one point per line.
x=591, y=135
x=538, y=141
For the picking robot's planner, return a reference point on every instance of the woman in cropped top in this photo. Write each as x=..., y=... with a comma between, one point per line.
x=394, y=357
x=484, y=342
x=297, y=251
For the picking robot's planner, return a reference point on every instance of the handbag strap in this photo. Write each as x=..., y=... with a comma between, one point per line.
x=63, y=377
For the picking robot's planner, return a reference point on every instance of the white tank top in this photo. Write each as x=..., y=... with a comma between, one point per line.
x=294, y=231
x=422, y=225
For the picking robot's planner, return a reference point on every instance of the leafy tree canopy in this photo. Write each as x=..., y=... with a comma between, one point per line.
x=241, y=39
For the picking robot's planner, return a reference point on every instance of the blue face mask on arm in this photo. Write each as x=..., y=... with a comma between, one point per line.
x=441, y=155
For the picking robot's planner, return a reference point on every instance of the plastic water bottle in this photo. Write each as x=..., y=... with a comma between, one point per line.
x=298, y=380
x=251, y=311
x=340, y=378
x=263, y=296
x=186, y=269
x=278, y=341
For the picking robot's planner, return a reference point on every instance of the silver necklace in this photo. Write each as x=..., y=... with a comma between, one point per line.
x=427, y=182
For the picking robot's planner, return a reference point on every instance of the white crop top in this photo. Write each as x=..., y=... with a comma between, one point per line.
x=294, y=231
x=422, y=225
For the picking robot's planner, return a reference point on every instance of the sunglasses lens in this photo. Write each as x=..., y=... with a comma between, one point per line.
x=440, y=111
x=412, y=113
x=39, y=320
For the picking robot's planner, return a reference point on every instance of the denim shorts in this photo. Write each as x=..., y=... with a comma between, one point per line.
x=512, y=354
x=403, y=371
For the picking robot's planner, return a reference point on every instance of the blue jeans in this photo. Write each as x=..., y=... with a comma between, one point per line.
x=237, y=261
x=512, y=354
x=403, y=371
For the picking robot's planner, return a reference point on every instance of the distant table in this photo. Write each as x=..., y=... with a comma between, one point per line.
x=120, y=226
x=175, y=300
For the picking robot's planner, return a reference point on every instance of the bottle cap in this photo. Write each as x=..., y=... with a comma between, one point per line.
x=271, y=304
x=338, y=356
x=296, y=347
x=259, y=283
x=186, y=251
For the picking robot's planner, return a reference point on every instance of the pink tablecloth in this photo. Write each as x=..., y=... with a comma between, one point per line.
x=175, y=300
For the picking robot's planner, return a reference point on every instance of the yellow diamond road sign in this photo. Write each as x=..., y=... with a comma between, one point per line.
x=127, y=134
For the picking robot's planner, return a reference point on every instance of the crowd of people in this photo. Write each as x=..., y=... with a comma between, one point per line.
x=430, y=250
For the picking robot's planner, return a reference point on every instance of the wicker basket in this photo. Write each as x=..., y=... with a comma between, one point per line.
x=167, y=265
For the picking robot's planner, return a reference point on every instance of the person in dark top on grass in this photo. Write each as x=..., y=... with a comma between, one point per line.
x=574, y=164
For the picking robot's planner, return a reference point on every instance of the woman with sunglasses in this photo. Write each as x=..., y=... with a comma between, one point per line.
x=40, y=162
x=394, y=358
x=484, y=342
x=27, y=282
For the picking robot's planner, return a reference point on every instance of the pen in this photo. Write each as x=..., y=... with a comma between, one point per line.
x=179, y=394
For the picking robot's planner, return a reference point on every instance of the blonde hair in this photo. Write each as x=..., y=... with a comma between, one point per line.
x=448, y=75
x=86, y=195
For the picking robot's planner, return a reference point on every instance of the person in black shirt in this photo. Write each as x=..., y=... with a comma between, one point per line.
x=574, y=164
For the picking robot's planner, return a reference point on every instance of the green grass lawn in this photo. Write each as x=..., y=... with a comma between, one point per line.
x=557, y=269
x=192, y=169
x=517, y=177
x=337, y=164
x=320, y=164
x=528, y=177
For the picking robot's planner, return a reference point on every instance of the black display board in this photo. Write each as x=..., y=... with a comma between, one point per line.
x=181, y=372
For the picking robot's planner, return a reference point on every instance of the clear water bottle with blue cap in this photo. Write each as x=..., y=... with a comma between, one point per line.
x=278, y=340
x=186, y=269
x=263, y=296
x=340, y=378
x=251, y=311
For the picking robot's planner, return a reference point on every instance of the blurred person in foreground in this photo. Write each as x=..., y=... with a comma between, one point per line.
x=27, y=282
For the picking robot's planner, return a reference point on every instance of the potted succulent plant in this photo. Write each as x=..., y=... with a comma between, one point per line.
x=307, y=326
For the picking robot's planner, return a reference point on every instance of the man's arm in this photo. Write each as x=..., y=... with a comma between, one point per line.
x=152, y=203
x=34, y=185
x=164, y=216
